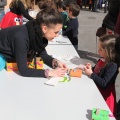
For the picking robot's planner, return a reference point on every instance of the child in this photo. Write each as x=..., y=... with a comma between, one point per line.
x=106, y=70
x=18, y=41
x=64, y=15
x=14, y=16
x=72, y=28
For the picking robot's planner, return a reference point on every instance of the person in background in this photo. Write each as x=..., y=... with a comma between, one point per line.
x=90, y=4
x=110, y=20
x=45, y=4
x=17, y=42
x=79, y=2
x=62, y=9
x=95, y=5
x=18, y=9
x=70, y=1
x=2, y=12
x=117, y=26
x=72, y=28
x=104, y=73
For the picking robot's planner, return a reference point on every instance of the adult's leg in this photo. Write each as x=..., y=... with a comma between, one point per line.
x=96, y=5
x=93, y=5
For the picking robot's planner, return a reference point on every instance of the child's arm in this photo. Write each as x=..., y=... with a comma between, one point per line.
x=108, y=75
x=24, y=11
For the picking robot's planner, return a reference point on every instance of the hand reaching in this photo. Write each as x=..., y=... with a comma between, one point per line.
x=58, y=72
x=88, y=69
x=81, y=66
x=62, y=65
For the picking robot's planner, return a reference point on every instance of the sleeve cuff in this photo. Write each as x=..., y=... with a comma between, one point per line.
x=46, y=73
x=54, y=63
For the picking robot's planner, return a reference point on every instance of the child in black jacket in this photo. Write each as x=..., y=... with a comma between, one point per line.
x=72, y=28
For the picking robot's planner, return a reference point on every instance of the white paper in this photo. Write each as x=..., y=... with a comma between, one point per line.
x=53, y=81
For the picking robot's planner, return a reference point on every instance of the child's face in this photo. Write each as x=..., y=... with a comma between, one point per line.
x=51, y=32
x=69, y=14
x=60, y=9
x=67, y=9
x=102, y=52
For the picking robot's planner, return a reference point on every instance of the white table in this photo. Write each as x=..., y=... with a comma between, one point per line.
x=65, y=53
x=23, y=98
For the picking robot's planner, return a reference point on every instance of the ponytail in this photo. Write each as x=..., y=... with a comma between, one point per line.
x=48, y=17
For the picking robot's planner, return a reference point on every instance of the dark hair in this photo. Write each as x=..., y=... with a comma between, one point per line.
x=48, y=17
x=75, y=9
x=46, y=4
x=62, y=5
x=68, y=2
x=108, y=43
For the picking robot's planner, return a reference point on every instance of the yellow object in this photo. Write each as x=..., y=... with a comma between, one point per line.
x=12, y=66
x=39, y=65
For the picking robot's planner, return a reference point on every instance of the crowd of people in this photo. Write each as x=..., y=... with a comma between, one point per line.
x=31, y=39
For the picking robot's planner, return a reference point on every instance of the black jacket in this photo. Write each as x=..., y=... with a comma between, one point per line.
x=106, y=76
x=72, y=31
x=15, y=44
x=110, y=19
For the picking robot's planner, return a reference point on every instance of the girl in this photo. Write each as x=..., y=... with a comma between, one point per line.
x=105, y=71
x=14, y=16
x=19, y=41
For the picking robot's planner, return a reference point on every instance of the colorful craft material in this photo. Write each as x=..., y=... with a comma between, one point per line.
x=12, y=66
x=75, y=72
x=98, y=114
x=65, y=79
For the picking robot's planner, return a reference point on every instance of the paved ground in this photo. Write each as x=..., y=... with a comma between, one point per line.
x=89, y=22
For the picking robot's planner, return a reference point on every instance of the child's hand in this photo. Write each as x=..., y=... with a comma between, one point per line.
x=58, y=72
x=62, y=65
x=88, y=70
x=81, y=66
x=88, y=65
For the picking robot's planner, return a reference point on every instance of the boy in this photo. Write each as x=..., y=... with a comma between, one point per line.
x=72, y=28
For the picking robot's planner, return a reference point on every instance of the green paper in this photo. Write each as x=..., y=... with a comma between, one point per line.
x=65, y=79
x=102, y=114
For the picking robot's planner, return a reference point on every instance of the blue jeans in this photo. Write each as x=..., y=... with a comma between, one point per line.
x=2, y=13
